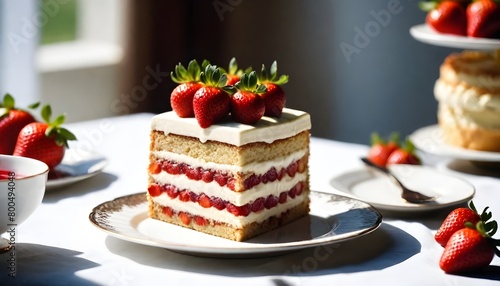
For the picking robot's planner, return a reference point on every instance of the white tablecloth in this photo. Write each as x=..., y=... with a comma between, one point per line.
x=58, y=245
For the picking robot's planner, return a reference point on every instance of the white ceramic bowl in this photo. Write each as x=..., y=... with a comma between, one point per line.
x=22, y=194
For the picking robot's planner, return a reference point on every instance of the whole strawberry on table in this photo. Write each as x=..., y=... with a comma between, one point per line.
x=45, y=141
x=467, y=237
x=12, y=120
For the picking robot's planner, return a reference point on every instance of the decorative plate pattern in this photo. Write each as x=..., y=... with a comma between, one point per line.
x=332, y=219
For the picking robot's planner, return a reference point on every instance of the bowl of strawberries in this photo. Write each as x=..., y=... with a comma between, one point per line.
x=22, y=187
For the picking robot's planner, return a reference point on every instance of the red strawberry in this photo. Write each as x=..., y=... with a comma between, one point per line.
x=181, y=98
x=44, y=141
x=211, y=102
x=467, y=250
x=483, y=19
x=446, y=17
x=456, y=220
x=404, y=155
x=12, y=120
x=274, y=97
x=247, y=106
x=380, y=150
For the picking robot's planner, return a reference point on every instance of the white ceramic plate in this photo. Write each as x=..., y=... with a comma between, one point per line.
x=378, y=190
x=332, y=219
x=76, y=166
x=425, y=34
x=429, y=139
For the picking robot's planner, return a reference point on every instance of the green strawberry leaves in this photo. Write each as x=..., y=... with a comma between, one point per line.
x=61, y=135
x=486, y=227
x=272, y=76
x=9, y=103
x=250, y=83
x=182, y=75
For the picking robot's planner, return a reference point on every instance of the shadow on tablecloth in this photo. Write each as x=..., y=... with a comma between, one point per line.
x=96, y=183
x=385, y=247
x=43, y=265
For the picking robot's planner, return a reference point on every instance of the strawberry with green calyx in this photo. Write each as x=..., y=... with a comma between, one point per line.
x=211, y=103
x=234, y=73
x=483, y=19
x=470, y=248
x=457, y=219
x=44, y=141
x=447, y=17
x=404, y=155
x=181, y=98
x=247, y=106
x=274, y=97
x=380, y=150
x=12, y=120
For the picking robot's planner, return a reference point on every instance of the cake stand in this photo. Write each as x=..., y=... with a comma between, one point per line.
x=425, y=34
x=427, y=139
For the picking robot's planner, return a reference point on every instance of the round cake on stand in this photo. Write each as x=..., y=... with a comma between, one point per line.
x=468, y=95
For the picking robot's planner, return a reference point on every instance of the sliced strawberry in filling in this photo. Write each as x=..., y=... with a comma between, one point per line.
x=226, y=179
x=205, y=201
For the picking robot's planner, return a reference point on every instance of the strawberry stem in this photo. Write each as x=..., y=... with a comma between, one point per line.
x=264, y=77
x=375, y=139
x=249, y=83
x=427, y=6
x=182, y=75
x=9, y=103
x=60, y=135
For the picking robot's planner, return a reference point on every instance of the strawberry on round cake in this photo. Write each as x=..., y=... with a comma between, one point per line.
x=218, y=175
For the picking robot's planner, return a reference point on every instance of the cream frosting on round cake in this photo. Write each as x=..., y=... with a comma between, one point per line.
x=468, y=93
x=231, y=180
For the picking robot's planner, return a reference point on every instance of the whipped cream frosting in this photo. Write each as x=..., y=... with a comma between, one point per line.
x=481, y=81
x=225, y=216
x=267, y=129
x=464, y=106
x=466, y=97
x=467, y=119
x=255, y=167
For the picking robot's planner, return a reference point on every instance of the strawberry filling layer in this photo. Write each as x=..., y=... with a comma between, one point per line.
x=226, y=179
x=187, y=218
x=206, y=202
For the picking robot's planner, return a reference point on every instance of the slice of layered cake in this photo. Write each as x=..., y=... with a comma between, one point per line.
x=230, y=180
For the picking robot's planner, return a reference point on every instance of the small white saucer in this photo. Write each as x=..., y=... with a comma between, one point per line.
x=378, y=190
x=76, y=166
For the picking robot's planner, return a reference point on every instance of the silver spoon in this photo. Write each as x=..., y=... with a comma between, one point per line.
x=407, y=194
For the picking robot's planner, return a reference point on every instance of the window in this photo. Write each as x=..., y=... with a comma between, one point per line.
x=79, y=55
x=61, y=27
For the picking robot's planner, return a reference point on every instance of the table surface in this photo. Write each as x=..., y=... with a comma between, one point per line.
x=58, y=245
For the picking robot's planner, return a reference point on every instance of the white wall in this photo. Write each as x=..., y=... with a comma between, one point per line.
x=18, y=41
x=386, y=85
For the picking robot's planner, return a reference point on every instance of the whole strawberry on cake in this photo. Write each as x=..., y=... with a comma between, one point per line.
x=229, y=170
